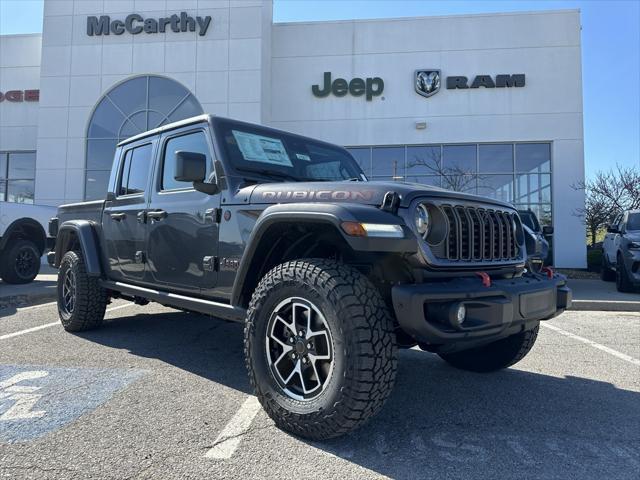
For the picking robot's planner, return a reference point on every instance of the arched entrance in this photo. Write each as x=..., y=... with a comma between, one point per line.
x=131, y=107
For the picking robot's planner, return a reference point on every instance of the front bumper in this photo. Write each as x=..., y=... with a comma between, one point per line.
x=506, y=307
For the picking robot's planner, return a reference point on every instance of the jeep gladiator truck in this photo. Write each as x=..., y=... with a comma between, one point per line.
x=329, y=273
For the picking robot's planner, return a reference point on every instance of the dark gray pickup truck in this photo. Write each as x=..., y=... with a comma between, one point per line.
x=329, y=272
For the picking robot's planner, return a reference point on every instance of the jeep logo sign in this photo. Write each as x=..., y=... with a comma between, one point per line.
x=135, y=24
x=371, y=87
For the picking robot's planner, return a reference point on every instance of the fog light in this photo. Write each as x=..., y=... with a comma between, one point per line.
x=458, y=314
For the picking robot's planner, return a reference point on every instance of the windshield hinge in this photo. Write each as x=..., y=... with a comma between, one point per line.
x=391, y=202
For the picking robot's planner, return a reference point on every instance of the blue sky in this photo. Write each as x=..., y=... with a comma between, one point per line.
x=610, y=55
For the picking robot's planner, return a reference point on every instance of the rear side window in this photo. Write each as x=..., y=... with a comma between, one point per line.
x=135, y=170
x=191, y=142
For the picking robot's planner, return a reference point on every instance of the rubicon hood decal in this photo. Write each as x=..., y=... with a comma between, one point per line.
x=320, y=195
x=369, y=193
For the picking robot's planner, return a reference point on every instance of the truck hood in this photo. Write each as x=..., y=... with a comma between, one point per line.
x=369, y=193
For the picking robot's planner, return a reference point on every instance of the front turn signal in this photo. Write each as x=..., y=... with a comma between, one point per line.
x=379, y=230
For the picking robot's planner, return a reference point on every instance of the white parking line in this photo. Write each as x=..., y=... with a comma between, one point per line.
x=47, y=325
x=230, y=437
x=593, y=344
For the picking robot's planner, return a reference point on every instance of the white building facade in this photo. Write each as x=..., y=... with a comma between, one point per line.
x=490, y=104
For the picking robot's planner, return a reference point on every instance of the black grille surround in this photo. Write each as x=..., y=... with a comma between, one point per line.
x=477, y=235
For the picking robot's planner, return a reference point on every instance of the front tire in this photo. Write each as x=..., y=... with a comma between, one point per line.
x=81, y=300
x=20, y=263
x=319, y=348
x=495, y=356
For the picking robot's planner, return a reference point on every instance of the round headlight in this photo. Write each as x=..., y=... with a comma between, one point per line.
x=422, y=219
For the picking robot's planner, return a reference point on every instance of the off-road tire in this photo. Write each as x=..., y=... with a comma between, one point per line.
x=90, y=301
x=607, y=274
x=495, y=356
x=364, y=347
x=9, y=270
x=623, y=282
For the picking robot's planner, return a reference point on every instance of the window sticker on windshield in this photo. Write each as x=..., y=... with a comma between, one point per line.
x=302, y=156
x=256, y=148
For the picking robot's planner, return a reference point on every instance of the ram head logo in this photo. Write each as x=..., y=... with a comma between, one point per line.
x=427, y=82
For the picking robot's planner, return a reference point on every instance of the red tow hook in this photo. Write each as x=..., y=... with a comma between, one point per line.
x=548, y=271
x=486, y=279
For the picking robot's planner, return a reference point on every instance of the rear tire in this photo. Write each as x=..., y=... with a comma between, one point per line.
x=623, y=282
x=495, y=356
x=607, y=274
x=349, y=370
x=81, y=300
x=20, y=263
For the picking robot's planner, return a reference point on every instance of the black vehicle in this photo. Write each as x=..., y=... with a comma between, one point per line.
x=329, y=272
x=537, y=246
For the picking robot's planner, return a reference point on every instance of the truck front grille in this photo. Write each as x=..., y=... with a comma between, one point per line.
x=478, y=234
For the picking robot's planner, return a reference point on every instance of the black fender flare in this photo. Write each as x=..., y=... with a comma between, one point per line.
x=333, y=214
x=84, y=232
x=19, y=224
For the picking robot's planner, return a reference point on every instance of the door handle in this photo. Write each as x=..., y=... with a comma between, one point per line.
x=118, y=216
x=156, y=214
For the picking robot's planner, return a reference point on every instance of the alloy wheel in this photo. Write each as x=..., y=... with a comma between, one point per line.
x=299, y=348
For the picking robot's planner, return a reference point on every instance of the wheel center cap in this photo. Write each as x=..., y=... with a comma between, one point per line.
x=300, y=347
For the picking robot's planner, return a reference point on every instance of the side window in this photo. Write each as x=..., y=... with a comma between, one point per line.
x=135, y=170
x=191, y=142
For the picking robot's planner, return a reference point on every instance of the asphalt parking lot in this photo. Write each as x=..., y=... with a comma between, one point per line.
x=158, y=393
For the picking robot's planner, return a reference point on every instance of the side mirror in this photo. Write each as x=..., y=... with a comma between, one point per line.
x=547, y=230
x=612, y=229
x=190, y=167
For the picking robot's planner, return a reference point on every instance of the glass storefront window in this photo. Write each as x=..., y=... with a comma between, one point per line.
x=423, y=160
x=363, y=157
x=534, y=188
x=518, y=173
x=132, y=107
x=17, y=176
x=495, y=158
x=459, y=159
x=533, y=157
x=387, y=162
x=499, y=187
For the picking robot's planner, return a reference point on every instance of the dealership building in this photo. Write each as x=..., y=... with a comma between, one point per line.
x=489, y=104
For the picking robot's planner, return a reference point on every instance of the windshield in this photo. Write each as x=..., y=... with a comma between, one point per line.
x=633, y=222
x=282, y=156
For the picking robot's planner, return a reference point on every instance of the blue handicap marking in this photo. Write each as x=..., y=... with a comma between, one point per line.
x=36, y=400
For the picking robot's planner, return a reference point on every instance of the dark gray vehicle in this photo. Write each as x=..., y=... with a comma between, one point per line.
x=621, y=252
x=537, y=245
x=329, y=272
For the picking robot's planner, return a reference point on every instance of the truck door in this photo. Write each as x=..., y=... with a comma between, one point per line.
x=182, y=223
x=123, y=220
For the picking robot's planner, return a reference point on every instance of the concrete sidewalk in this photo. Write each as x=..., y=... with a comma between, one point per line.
x=599, y=295
x=41, y=290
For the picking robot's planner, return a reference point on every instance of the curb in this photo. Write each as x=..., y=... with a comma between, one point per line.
x=605, y=305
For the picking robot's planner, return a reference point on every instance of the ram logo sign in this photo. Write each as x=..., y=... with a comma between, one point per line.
x=427, y=82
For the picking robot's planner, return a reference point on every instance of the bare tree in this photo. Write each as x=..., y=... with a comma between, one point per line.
x=608, y=194
x=454, y=178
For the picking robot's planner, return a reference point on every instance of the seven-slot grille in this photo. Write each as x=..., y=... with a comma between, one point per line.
x=478, y=234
